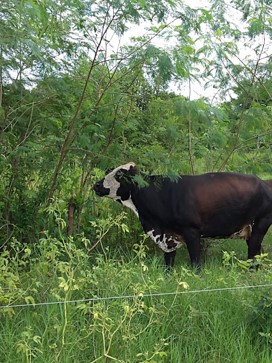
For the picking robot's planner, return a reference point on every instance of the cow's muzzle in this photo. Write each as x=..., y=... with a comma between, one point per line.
x=100, y=190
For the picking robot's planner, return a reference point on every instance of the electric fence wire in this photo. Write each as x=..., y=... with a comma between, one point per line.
x=140, y=295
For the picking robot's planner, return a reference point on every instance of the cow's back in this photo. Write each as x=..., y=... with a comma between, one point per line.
x=217, y=203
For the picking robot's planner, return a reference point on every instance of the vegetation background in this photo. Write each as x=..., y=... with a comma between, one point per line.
x=77, y=97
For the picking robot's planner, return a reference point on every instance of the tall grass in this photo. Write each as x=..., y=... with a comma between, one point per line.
x=205, y=327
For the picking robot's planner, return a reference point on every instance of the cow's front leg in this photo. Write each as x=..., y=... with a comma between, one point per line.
x=168, y=243
x=169, y=259
x=192, y=240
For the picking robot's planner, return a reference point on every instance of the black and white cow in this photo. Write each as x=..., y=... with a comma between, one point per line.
x=212, y=205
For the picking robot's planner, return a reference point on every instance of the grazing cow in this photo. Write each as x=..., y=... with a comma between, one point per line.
x=212, y=205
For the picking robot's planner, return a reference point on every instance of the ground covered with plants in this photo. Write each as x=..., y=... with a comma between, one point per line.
x=68, y=305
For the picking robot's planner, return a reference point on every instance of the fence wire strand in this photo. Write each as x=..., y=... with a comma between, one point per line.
x=140, y=295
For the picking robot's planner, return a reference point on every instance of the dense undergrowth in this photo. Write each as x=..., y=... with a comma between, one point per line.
x=190, y=325
x=73, y=103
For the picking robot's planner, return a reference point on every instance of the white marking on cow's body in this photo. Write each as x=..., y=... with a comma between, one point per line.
x=244, y=233
x=129, y=203
x=112, y=184
x=162, y=239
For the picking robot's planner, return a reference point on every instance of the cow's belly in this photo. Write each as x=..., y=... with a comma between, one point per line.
x=171, y=241
x=242, y=233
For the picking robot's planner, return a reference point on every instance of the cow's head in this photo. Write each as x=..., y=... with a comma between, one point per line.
x=116, y=184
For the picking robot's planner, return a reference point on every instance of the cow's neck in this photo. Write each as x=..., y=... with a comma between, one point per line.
x=126, y=200
x=129, y=203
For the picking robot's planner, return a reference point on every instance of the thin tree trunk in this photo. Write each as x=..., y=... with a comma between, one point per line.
x=1, y=79
x=71, y=212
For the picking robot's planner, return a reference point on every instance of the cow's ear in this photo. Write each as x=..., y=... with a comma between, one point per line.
x=123, y=176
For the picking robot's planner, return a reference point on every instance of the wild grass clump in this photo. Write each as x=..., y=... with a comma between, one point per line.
x=113, y=308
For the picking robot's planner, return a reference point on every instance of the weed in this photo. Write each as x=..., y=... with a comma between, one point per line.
x=220, y=326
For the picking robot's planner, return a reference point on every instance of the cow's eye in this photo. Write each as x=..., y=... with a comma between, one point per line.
x=119, y=174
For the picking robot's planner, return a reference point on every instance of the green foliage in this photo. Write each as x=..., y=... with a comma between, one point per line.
x=74, y=104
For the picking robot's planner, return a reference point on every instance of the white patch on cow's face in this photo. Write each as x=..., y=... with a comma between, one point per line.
x=112, y=184
x=162, y=239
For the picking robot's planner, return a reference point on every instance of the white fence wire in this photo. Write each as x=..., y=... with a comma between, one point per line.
x=141, y=295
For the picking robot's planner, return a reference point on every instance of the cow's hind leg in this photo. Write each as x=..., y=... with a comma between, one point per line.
x=192, y=240
x=262, y=249
x=255, y=241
